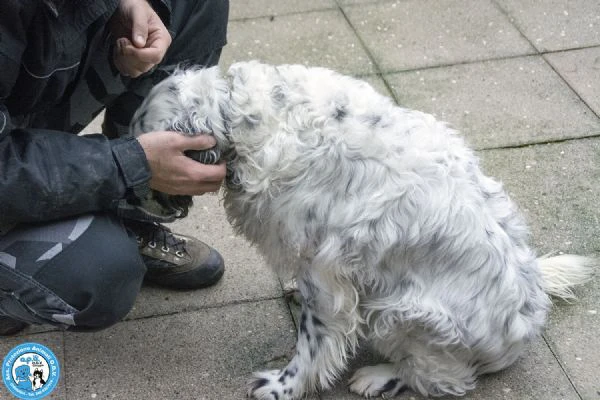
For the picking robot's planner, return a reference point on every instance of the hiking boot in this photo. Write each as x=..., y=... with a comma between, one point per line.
x=9, y=326
x=176, y=261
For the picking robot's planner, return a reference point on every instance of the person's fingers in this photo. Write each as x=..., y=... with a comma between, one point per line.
x=200, y=142
x=204, y=173
x=198, y=179
x=127, y=58
x=159, y=39
x=139, y=26
x=147, y=55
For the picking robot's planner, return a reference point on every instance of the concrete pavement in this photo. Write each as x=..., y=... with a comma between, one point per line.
x=519, y=78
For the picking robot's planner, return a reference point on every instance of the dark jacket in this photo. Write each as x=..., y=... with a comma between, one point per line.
x=45, y=172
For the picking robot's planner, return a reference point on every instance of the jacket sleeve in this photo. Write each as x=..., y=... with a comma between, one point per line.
x=47, y=174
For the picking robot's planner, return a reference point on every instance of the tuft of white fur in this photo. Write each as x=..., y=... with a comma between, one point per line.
x=384, y=217
x=561, y=272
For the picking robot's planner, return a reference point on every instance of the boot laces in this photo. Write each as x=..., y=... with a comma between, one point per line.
x=157, y=235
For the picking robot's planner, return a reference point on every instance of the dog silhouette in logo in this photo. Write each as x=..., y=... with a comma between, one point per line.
x=38, y=379
x=22, y=377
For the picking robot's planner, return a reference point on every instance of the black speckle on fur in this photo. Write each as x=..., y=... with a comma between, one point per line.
x=275, y=395
x=389, y=385
x=316, y=321
x=373, y=120
x=527, y=309
x=143, y=115
x=260, y=383
x=319, y=340
x=278, y=96
x=401, y=389
x=291, y=372
x=143, y=125
x=340, y=112
x=303, y=323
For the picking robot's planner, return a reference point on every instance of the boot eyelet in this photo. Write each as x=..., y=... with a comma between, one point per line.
x=179, y=253
x=152, y=244
x=164, y=249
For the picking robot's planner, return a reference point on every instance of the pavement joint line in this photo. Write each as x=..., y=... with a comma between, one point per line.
x=209, y=307
x=460, y=63
x=512, y=20
x=531, y=144
x=284, y=14
x=570, y=86
x=63, y=367
x=379, y=73
x=543, y=54
x=560, y=364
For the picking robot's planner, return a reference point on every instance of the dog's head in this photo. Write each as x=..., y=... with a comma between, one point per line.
x=191, y=101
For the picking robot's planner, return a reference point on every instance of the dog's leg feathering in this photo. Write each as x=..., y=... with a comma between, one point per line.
x=377, y=380
x=326, y=338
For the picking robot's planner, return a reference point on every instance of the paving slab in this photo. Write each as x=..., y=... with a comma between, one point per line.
x=247, y=277
x=552, y=25
x=319, y=38
x=239, y=9
x=498, y=103
x=412, y=34
x=54, y=342
x=556, y=187
x=572, y=333
x=198, y=355
x=581, y=69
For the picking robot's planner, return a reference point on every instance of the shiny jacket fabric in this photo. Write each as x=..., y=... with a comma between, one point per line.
x=47, y=171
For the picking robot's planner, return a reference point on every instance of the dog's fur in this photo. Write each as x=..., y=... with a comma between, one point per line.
x=383, y=216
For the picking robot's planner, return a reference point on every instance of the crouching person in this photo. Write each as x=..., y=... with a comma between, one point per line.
x=73, y=251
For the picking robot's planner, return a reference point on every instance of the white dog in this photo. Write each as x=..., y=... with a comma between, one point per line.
x=384, y=217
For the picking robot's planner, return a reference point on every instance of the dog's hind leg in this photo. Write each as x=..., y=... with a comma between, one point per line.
x=427, y=349
x=327, y=336
x=431, y=375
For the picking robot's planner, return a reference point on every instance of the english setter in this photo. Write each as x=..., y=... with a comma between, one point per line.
x=383, y=216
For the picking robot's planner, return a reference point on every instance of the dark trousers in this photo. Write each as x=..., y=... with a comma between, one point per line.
x=84, y=273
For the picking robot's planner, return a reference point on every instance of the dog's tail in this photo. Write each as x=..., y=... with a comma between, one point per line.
x=561, y=272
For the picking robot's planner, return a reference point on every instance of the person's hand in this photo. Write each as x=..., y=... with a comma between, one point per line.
x=141, y=38
x=175, y=173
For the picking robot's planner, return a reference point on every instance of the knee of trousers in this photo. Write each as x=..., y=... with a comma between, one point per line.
x=99, y=276
x=109, y=295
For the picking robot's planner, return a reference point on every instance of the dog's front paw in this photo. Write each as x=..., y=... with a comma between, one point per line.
x=378, y=380
x=270, y=385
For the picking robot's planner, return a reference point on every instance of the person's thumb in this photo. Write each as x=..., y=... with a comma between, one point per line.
x=139, y=27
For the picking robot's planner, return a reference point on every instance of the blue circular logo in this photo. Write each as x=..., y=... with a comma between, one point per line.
x=30, y=371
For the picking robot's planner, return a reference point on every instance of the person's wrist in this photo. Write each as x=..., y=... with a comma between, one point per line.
x=133, y=165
